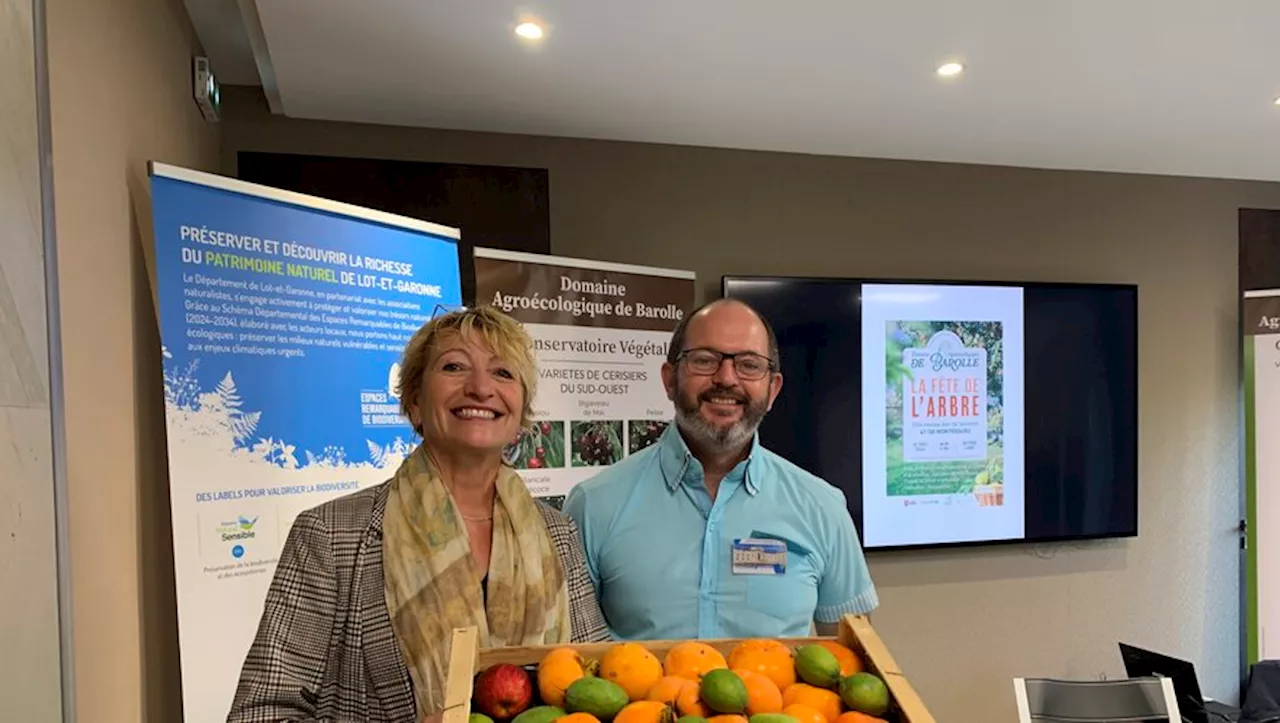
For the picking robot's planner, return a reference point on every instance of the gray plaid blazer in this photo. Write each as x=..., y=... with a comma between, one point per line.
x=325, y=649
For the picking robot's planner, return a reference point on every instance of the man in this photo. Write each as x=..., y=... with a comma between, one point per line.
x=707, y=534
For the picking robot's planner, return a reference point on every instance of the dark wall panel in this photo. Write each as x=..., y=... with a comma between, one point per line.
x=495, y=206
x=1259, y=249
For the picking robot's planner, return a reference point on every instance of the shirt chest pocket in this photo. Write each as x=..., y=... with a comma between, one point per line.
x=790, y=596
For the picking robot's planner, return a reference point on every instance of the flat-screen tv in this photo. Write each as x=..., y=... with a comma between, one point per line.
x=959, y=413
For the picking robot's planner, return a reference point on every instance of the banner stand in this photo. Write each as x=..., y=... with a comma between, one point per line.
x=283, y=318
x=600, y=331
x=1260, y=327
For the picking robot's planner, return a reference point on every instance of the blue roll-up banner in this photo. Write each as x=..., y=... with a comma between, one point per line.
x=283, y=318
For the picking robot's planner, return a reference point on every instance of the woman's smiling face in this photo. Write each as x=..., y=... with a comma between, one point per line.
x=471, y=398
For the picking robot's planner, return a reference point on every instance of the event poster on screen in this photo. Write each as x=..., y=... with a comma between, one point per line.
x=283, y=319
x=943, y=406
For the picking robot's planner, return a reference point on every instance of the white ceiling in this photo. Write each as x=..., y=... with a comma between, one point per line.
x=1182, y=87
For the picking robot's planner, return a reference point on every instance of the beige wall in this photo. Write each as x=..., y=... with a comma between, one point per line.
x=963, y=623
x=29, y=673
x=120, y=79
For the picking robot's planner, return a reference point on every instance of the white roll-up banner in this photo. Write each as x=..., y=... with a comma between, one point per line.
x=283, y=318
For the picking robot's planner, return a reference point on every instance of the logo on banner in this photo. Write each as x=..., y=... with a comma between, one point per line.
x=381, y=407
x=236, y=534
x=393, y=381
x=239, y=529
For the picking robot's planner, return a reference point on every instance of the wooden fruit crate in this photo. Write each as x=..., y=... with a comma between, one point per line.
x=466, y=660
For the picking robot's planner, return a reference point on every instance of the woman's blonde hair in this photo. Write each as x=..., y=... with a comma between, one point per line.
x=500, y=333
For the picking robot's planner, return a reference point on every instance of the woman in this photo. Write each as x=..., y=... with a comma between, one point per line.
x=370, y=586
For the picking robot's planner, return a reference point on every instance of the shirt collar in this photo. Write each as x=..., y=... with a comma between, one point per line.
x=678, y=463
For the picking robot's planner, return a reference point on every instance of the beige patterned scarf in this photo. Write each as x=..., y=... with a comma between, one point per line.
x=433, y=583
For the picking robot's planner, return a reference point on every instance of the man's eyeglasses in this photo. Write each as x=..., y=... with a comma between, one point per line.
x=747, y=365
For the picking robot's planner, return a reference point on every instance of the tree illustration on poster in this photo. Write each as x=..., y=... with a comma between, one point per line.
x=600, y=332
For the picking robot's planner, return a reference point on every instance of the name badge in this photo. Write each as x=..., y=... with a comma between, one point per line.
x=759, y=557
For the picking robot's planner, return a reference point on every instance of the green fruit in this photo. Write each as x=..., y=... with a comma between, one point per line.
x=479, y=718
x=772, y=718
x=817, y=666
x=600, y=697
x=538, y=714
x=723, y=691
x=865, y=693
x=691, y=719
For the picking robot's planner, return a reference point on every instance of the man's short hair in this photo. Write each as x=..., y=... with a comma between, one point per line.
x=682, y=331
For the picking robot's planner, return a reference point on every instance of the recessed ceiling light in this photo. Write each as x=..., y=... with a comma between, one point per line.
x=948, y=70
x=530, y=30
x=1278, y=100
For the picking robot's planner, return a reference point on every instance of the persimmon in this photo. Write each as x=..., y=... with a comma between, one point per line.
x=804, y=713
x=850, y=663
x=556, y=671
x=756, y=645
x=691, y=659
x=762, y=695
x=826, y=702
x=689, y=701
x=631, y=666
x=667, y=689
x=850, y=717
x=644, y=711
x=767, y=657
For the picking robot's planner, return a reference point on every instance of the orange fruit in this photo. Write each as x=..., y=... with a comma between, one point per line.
x=762, y=695
x=667, y=689
x=631, y=666
x=727, y=718
x=825, y=702
x=755, y=645
x=578, y=718
x=644, y=711
x=804, y=714
x=689, y=701
x=767, y=657
x=691, y=659
x=850, y=717
x=850, y=663
x=556, y=671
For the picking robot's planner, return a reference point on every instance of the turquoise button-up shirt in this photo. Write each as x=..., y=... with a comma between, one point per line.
x=659, y=550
